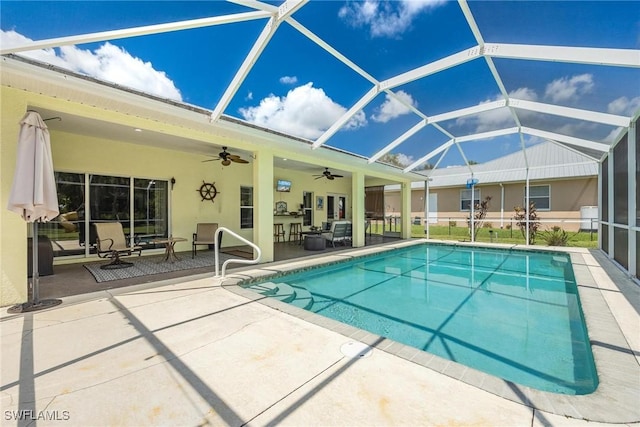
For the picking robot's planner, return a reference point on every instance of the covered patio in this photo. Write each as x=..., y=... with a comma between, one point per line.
x=74, y=279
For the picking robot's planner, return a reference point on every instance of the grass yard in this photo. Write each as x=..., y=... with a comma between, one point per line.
x=575, y=239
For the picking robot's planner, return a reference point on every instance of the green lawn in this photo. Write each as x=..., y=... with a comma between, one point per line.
x=576, y=239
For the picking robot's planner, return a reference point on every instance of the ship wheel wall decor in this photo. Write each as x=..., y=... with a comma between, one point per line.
x=208, y=191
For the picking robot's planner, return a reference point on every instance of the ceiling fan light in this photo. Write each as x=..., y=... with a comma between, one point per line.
x=226, y=162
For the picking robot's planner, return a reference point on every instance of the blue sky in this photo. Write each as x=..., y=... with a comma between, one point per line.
x=298, y=88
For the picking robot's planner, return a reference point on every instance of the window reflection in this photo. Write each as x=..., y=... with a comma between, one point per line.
x=141, y=205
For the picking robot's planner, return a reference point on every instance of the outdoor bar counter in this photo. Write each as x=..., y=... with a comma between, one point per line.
x=286, y=220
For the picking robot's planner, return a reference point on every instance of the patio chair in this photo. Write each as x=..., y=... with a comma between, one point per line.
x=112, y=243
x=338, y=233
x=204, y=235
x=348, y=234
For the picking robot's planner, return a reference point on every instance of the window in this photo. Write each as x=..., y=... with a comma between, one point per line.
x=540, y=195
x=246, y=207
x=465, y=199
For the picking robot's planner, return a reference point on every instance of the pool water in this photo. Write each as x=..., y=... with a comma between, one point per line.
x=510, y=313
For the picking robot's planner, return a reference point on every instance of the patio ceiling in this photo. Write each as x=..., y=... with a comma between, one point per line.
x=482, y=89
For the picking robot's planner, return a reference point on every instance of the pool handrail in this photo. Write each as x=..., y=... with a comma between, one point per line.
x=233, y=260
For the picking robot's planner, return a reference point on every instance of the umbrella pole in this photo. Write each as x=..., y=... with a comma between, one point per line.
x=34, y=303
x=35, y=274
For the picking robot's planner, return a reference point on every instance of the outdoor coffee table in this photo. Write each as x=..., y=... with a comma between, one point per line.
x=309, y=233
x=169, y=243
x=314, y=242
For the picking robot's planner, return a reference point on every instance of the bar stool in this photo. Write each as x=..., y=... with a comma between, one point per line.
x=295, y=231
x=278, y=230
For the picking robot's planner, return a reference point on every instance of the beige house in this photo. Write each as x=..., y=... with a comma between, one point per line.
x=563, y=186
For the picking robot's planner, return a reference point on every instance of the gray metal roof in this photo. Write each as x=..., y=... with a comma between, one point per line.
x=546, y=161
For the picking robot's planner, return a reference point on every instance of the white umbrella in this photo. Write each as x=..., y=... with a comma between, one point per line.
x=33, y=192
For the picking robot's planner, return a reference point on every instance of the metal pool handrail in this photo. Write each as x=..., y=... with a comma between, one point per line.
x=234, y=260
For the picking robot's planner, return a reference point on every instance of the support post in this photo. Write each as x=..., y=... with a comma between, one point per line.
x=406, y=210
x=358, y=220
x=631, y=198
x=263, y=203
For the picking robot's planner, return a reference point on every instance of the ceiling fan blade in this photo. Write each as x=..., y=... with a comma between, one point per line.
x=226, y=162
x=210, y=160
x=322, y=176
x=232, y=156
x=337, y=176
x=238, y=160
x=330, y=177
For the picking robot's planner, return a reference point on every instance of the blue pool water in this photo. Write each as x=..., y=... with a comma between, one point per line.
x=513, y=314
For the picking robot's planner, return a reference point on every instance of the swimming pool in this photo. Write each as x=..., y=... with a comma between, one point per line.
x=511, y=313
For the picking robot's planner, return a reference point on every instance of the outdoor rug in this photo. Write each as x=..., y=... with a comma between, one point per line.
x=144, y=266
x=240, y=253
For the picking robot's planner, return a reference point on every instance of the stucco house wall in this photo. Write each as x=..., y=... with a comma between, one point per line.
x=567, y=197
x=79, y=153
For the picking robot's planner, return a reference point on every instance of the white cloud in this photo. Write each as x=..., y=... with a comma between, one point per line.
x=108, y=62
x=249, y=96
x=288, y=80
x=404, y=159
x=576, y=129
x=357, y=121
x=569, y=88
x=624, y=106
x=392, y=108
x=500, y=117
x=385, y=18
x=611, y=137
x=305, y=111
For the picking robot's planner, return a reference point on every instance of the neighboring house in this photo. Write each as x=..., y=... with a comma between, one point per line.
x=563, y=186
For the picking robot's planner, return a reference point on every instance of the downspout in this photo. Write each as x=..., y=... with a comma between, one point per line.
x=501, y=206
x=426, y=207
x=473, y=194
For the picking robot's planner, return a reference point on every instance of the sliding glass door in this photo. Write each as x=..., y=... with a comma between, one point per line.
x=141, y=205
x=150, y=209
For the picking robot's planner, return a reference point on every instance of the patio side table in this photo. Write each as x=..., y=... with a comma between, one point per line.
x=169, y=244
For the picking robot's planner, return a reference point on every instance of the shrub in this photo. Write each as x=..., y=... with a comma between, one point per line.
x=556, y=237
x=521, y=221
x=480, y=212
x=487, y=225
x=453, y=223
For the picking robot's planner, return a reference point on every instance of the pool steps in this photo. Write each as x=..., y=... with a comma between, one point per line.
x=284, y=292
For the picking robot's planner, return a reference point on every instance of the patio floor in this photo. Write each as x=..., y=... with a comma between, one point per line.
x=189, y=351
x=74, y=279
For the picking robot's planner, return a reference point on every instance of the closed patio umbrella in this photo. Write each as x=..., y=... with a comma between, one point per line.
x=33, y=193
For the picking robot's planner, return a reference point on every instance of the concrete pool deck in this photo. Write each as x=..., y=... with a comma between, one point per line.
x=191, y=351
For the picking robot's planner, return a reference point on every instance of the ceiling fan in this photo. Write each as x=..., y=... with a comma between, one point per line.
x=227, y=158
x=328, y=175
